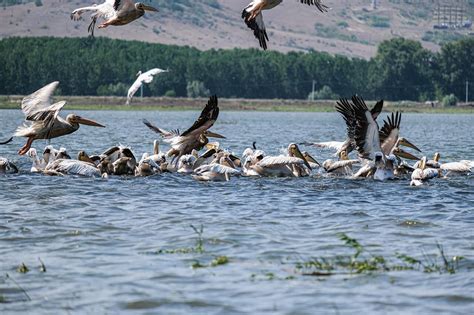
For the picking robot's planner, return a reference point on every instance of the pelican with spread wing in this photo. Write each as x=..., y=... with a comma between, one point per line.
x=115, y=12
x=253, y=16
x=146, y=77
x=195, y=138
x=44, y=120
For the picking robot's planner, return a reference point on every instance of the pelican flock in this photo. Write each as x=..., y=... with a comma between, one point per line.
x=369, y=151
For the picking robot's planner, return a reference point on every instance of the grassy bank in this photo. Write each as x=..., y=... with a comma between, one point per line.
x=176, y=104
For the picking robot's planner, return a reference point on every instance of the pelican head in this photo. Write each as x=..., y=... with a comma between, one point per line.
x=293, y=150
x=422, y=164
x=156, y=147
x=436, y=157
x=82, y=156
x=343, y=155
x=76, y=120
x=379, y=159
x=406, y=143
x=403, y=154
x=143, y=7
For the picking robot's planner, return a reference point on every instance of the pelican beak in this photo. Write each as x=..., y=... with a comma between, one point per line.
x=297, y=153
x=408, y=144
x=149, y=8
x=89, y=122
x=309, y=158
x=212, y=145
x=214, y=135
x=423, y=163
x=406, y=155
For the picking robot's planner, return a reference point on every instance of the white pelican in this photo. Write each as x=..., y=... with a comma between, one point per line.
x=72, y=167
x=146, y=77
x=293, y=165
x=195, y=138
x=253, y=17
x=147, y=166
x=44, y=117
x=186, y=164
x=343, y=167
x=115, y=12
x=448, y=169
x=7, y=166
x=38, y=164
x=157, y=156
x=422, y=174
x=219, y=170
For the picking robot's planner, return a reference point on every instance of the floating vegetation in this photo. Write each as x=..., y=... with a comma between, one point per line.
x=198, y=248
x=220, y=260
x=22, y=268
x=363, y=262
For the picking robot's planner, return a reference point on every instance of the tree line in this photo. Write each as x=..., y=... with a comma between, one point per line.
x=401, y=70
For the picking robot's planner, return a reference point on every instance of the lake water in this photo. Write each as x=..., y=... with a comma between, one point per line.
x=100, y=240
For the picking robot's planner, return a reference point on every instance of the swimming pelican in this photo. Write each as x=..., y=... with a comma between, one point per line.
x=45, y=120
x=422, y=174
x=343, y=167
x=253, y=17
x=195, y=138
x=115, y=12
x=146, y=77
x=186, y=164
x=7, y=166
x=147, y=166
x=219, y=170
x=293, y=165
x=72, y=167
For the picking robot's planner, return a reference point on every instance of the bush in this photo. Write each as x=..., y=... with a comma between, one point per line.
x=197, y=89
x=450, y=100
x=325, y=93
x=119, y=89
x=170, y=93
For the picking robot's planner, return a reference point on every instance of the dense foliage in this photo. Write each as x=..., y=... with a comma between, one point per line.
x=402, y=69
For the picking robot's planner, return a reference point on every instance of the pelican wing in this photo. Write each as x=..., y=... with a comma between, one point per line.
x=345, y=108
x=366, y=132
x=270, y=161
x=340, y=164
x=134, y=88
x=207, y=118
x=318, y=3
x=39, y=101
x=257, y=26
x=73, y=167
x=124, y=5
x=222, y=169
x=390, y=132
x=377, y=109
x=164, y=133
x=457, y=167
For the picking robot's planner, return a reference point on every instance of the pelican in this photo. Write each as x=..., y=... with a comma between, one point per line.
x=146, y=77
x=147, y=166
x=343, y=167
x=115, y=12
x=195, y=138
x=253, y=16
x=345, y=108
x=219, y=170
x=293, y=165
x=158, y=157
x=186, y=164
x=38, y=164
x=72, y=167
x=422, y=174
x=7, y=166
x=45, y=122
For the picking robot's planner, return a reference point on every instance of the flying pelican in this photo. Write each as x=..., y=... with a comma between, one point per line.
x=7, y=166
x=195, y=138
x=253, y=16
x=45, y=120
x=146, y=77
x=115, y=12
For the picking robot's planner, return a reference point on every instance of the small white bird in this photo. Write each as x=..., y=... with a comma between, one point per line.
x=146, y=77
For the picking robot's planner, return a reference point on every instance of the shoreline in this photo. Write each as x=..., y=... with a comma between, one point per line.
x=227, y=104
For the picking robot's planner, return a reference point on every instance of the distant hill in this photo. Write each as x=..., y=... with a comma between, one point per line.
x=351, y=28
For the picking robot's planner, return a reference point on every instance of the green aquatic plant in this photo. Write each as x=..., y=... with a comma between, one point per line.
x=198, y=247
x=22, y=268
x=220, y=260
x=363, y=262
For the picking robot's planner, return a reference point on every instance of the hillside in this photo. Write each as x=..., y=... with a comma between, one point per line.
x=351, y=28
